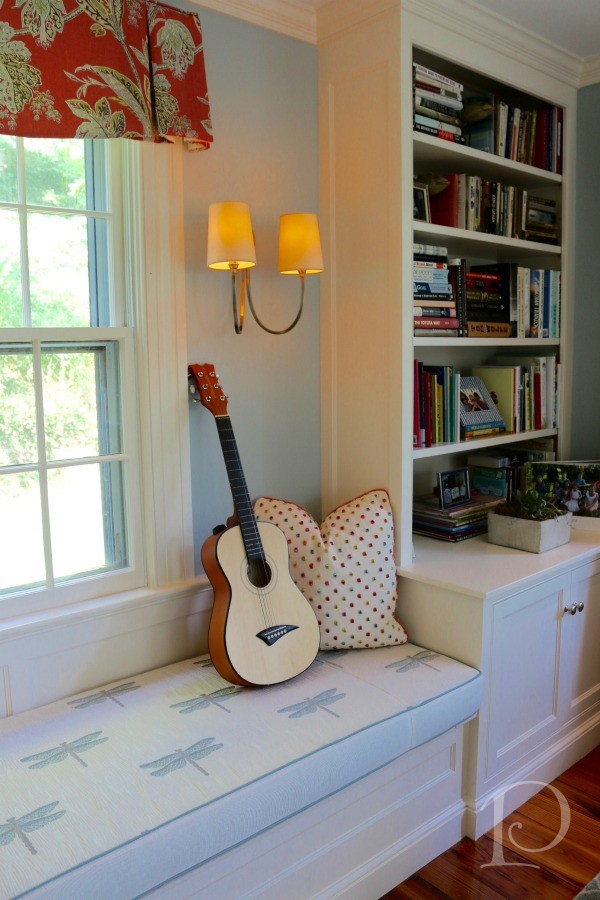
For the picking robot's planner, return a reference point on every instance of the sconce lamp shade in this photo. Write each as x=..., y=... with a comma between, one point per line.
x=230, y=237
x=299, y=244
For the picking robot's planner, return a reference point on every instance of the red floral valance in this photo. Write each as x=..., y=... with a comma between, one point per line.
x=102, y=69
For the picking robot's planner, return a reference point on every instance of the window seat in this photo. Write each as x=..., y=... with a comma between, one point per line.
x=176, y=783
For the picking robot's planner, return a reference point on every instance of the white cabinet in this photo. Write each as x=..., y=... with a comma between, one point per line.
x=510, y=613
x=580, y=645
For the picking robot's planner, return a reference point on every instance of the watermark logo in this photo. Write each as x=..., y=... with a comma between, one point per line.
x=499, y=806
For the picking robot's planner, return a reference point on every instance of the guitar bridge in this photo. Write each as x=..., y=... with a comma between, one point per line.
x=272, y=634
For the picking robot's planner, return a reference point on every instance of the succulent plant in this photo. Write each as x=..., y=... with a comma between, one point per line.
x=529, y=505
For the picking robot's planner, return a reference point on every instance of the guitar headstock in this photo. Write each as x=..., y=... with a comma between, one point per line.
x=208, y=390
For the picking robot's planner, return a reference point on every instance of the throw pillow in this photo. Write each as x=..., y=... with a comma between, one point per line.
x=345, y=568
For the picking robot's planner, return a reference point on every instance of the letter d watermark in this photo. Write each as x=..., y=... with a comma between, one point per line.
x=498, y=801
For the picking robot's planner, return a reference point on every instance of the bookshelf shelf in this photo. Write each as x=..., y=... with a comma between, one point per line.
x=480, y=443
x=436, y=153
x=530, y=344
x=461, y=242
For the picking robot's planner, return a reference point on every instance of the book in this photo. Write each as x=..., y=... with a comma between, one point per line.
x=423, y=71
x=502, y=384
x=429, y=122
x=437, y=322
x=488, y=329
x=429, y=312
x=431, y=287
x=444, y=206
x=440, y=133
x=477, y=409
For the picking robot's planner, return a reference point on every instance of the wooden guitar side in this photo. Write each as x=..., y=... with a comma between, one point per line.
x=241, y=612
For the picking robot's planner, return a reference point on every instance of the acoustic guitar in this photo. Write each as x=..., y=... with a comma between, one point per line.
x=262, y=629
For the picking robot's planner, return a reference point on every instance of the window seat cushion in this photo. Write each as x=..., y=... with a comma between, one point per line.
x=124, y=787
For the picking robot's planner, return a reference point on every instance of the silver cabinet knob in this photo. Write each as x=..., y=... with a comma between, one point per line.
x=570, y=609
x=580, y=607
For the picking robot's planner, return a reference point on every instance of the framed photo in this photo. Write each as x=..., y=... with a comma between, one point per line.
x=421, y=211
x=454, y=487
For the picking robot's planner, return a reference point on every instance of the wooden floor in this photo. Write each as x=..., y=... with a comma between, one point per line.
x=562, y=870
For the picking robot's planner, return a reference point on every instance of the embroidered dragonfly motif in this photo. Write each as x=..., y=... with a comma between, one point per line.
x=413, y=662
x=326, y=657
x=71, y=748
x=101, y=696
x=202, y=701
x=314, y=704
x=180, y=758
x=37, y=818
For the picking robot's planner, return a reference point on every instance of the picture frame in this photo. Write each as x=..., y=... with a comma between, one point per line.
x=454, y=488
x=421, y=210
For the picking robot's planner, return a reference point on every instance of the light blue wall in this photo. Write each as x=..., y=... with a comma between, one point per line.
x=585, y=442
x=263, y=91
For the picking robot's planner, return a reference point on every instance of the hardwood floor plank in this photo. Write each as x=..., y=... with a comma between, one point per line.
x=533, y=869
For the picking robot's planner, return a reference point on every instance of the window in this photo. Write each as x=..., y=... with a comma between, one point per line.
x=70, y=509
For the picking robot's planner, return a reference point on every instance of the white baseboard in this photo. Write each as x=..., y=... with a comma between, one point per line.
x=522, y=785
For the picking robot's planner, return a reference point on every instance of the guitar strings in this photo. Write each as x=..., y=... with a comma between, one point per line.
x=263, y=595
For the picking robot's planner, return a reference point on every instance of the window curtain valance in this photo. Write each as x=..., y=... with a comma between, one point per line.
x=102, y=69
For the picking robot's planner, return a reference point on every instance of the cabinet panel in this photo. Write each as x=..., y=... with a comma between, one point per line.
x=523, y=685
x=580, y=653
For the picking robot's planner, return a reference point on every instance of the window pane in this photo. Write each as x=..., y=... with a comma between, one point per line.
x=87, y=519
x=55, y=173
x=18, y=438
x=11, y=305
x=81, y=400
x=21, y=542
x=58, y=270
x=8, y=169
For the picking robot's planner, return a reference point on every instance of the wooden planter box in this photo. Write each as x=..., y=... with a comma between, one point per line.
x=526, y=534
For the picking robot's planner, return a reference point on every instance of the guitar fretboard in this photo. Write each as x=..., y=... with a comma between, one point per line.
x=239, y=490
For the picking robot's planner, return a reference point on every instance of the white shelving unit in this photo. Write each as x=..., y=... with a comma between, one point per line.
x=501, y=610
x=368, y=157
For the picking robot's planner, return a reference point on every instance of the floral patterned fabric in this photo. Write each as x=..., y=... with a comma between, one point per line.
x=345, y=568
x=102, y=69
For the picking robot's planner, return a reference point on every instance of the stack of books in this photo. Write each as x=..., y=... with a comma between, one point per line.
x=487, y=310
x=540, y=221
x=456, y=524
x=437, y=104
x=434, y=300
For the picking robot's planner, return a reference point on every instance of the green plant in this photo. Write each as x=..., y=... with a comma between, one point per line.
x=529, y=505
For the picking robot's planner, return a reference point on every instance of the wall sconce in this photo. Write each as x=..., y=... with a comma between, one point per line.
x=231, y=247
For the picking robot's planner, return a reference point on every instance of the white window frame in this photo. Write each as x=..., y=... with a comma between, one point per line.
x=154, y=392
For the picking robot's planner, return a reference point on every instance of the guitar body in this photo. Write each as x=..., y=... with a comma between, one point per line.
x=262, y=629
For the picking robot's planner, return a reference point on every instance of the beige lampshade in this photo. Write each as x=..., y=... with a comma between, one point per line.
x=299, y=244
x=230, y=238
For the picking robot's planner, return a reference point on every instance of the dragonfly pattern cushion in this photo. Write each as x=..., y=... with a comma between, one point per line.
x=345, y=568
x=124, y=787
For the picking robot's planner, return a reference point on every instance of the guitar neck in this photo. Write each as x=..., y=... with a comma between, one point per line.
x=239, y=490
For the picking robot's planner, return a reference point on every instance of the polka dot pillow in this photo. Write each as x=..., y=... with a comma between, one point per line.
x=345, y=568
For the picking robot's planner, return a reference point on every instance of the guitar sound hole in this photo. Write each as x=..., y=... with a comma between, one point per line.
x=259, y=573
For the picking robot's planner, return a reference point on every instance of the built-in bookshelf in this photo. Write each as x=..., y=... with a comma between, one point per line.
x=369, y=155
x=468, y=174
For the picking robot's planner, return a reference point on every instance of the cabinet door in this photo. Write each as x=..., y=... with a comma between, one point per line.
x=580, y=643
x=523, y=686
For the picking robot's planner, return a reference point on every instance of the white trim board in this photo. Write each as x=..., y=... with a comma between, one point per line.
x=300, y=20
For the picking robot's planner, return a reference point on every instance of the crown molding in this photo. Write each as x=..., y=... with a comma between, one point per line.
x=293, y=19
x=488, y=29
x=590, y=71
